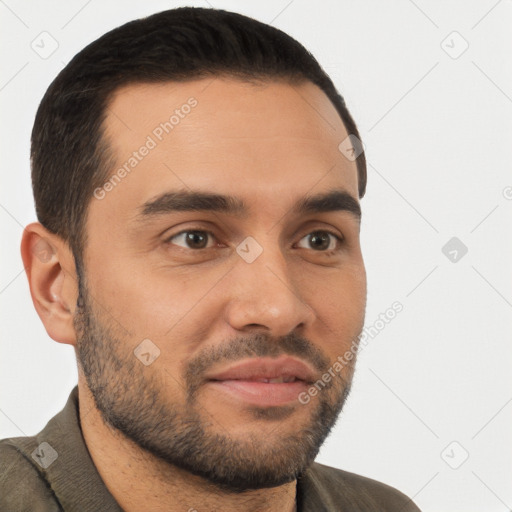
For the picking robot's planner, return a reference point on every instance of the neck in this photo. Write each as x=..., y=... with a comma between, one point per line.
x=140, y=481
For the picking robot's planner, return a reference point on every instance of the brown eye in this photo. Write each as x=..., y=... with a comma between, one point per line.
x=191, y=239
x=320, y=241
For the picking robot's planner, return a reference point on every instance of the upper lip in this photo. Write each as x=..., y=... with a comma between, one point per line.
x=266, y=368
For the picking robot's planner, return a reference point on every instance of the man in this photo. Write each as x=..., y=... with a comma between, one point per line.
x=199, y=247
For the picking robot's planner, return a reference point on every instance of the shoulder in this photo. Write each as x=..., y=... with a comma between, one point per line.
x=343, y=489
x=22, y=486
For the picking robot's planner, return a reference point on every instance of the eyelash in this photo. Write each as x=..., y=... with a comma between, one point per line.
x=338, y=238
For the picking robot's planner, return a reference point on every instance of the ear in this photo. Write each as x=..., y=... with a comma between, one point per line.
x=50, y=268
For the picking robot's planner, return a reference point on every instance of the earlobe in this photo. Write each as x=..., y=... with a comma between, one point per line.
x=50, y=269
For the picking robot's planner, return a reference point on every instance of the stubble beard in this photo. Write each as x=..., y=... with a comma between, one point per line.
x=131, y=398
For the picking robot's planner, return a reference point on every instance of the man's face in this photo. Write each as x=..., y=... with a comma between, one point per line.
x=235, y=329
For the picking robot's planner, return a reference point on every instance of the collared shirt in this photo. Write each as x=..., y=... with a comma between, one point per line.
x=53, y=472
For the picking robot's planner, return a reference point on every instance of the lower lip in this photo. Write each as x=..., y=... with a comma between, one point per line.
x=262, y=394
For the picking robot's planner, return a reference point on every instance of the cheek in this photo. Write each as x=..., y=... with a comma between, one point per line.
x=165, y=306
x=340, y=305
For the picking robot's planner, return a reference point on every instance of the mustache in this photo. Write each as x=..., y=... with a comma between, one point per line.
x=257, y=345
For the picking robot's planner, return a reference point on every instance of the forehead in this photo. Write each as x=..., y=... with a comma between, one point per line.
x=265, y=143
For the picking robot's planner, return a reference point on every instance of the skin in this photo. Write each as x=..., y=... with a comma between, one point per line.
x=269, y=145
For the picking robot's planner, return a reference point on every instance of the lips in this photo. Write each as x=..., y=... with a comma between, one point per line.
x=266, y=369
x=264, y=382
x=277, y=380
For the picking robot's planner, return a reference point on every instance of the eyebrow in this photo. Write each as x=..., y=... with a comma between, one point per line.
x=186, y=200
x=334, y=200
x=182, y=201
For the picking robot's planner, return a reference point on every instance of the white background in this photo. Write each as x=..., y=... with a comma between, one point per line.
x=438, y=134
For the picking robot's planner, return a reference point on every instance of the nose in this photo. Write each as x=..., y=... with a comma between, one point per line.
x=265, y=296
